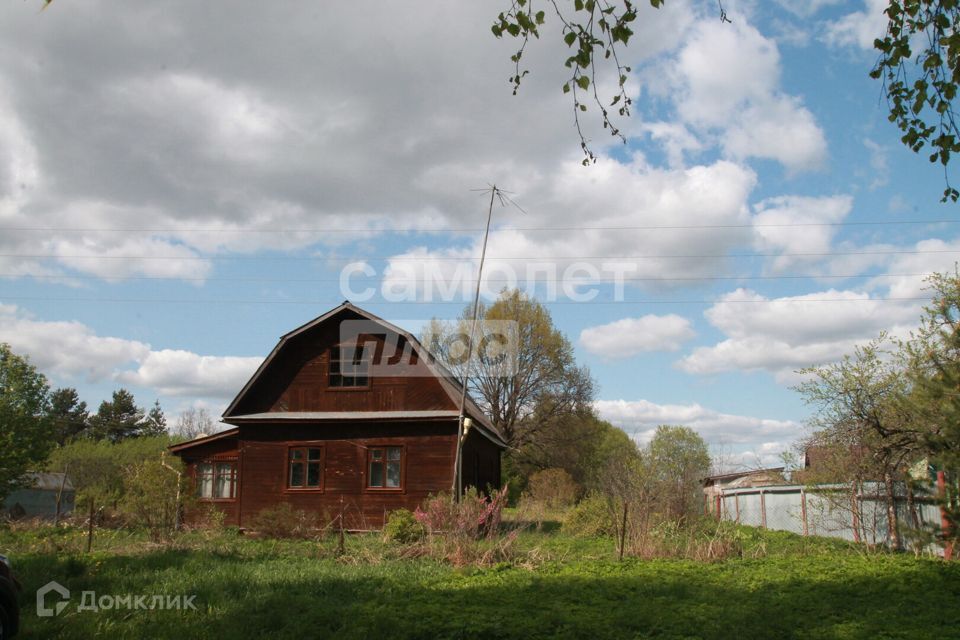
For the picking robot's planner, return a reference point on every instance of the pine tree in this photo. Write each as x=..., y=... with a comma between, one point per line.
x=69, y=414
x=118, y=418
x=934, y=369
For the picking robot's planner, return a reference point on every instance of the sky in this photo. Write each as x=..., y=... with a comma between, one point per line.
x=182, y=183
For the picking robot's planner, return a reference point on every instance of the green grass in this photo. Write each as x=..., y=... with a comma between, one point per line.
x=785, y=586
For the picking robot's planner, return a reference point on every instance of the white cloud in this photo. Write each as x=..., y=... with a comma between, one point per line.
x=184, y=373
x=71, y=350
x=230, y=122
x=780, y=129
x=630, y=336
x=784, y=334
x=859, y=28
x=66, y=348
x=725, y=83
x=808, y=7
x=797, y=225
x=609, y=194
x=929, y=256
x=750, y=436
x=879, y=164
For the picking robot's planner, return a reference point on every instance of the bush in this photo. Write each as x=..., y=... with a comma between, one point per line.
x=282, y=521
x=150, y=498
x=553, y=488
x=591, y=517
x=403, y=527
x=475, y=516
x=466, y=532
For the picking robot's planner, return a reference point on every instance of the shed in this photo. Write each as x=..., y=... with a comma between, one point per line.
x=38, y=498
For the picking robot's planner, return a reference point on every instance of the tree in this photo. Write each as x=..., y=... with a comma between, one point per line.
x=921, y=89
x=579, y=443
x=120, y=418
x=68, y=413
x=99, y=468
x=934, y=371
x=193, y=423
x=526, y=390
x=860, y=409
x=26, y=434
x=677, y=459
x=589, y=27
x=155, y=423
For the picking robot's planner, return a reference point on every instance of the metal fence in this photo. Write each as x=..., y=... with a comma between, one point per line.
x=827, y=510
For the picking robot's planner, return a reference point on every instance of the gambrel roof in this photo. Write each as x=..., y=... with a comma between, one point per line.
x=448, y=382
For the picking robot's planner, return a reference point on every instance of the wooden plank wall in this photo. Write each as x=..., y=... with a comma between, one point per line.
x=427, y=468
x=224, y=449
x=297, y=380
x=481, y=463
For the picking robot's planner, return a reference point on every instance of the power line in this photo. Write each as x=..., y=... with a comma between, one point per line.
x=458, y=303
x=444, y=229
x=361, y=276
x=430, y=258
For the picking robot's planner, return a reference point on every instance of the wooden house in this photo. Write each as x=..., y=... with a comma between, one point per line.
x=348, y=413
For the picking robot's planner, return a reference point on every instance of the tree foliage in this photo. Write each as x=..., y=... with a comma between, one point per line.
x=69, y=414
x=120, y=418
x=919, y=66
x=526, y=392
x=592, y=30
x=26, y=435
x=934, y=372
x=99, y=468
x=677, y=459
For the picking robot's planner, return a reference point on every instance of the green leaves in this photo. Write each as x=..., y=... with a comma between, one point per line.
x=920, y=90
x=595, y=31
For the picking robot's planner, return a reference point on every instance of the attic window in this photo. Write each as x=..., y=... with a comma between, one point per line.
x=349, y=369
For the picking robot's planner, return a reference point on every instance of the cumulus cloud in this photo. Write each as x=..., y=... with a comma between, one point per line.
x=798, y=225
x=72, y=350
x=184, y=373
x=725, y=82
x=608, y=195
x=630, y=336
x=750, y=436
x=781, y=335
x=171, y=133
x=66, y=348
x=860, y=28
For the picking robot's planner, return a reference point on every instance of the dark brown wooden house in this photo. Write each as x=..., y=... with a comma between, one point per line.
x=347, y=412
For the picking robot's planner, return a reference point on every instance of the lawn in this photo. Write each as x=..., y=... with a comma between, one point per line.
x=557, y=586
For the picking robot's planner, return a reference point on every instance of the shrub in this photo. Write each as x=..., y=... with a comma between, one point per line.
x=150, y=498
x=591, y=517
x=466, y=532
x=475, y=516
x=282, y=521
x=403, y=527
x=553, y=488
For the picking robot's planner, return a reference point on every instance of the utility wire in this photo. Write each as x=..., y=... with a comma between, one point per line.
x=444, y=229
x=430, y=258
x=458, y=303
x=362, y=276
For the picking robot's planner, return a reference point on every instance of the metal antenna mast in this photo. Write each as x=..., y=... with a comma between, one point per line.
x=458, y=460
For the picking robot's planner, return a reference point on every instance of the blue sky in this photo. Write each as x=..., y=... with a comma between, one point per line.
x=179, y=186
